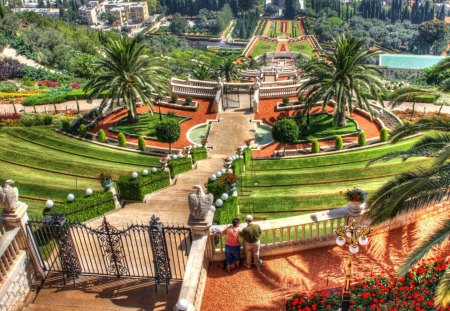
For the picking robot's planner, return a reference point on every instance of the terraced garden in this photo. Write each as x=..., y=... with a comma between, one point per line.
x=303, y=47
x=287, y=28
x=281, y=188
x=45, y=164
x=264, y=47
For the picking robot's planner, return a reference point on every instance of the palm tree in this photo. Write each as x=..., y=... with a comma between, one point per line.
x=345, y=76
x=126, y=75
x=228, y=70
x=417, y=189
x=202, y=71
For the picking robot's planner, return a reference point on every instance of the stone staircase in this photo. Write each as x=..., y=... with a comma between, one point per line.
x=54, y=307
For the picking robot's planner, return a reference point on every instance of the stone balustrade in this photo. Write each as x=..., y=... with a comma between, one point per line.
x=278, y=91
x=194, y=91
x=11, y=244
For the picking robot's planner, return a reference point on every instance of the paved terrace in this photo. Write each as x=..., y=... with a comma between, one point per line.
x=317, y=269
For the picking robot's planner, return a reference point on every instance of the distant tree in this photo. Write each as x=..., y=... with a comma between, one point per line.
x=203, y=71
x=435, y=34
x=179, y=25
x=285, y=131
x=247, y=5
x=168, y=131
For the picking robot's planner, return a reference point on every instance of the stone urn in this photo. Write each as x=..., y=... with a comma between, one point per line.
x=106, y=184
x=356, y=199
x=355, y=208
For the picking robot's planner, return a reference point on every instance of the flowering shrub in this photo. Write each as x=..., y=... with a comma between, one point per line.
x=49, y=83
x=75, y=85
x=9, y=119
x=10, y=69
x=26, y=93
x=415, y=291
x=356, y=195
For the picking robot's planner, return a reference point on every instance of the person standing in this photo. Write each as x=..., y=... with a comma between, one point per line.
x=232, y=246
x=251, y=235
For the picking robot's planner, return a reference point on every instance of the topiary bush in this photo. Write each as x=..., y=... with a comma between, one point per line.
x=83, y=130
x=141, y=143
x=65, y=125
x=28, y=119
x=286, y=100
x=228, y=211
x=179, y=165
x=101, y=136
x=189, y=100
x=84, y=208
x=174, y=98
x=339, y=145
x=121, y=140
x=285, y=131
x=216, y=187
x=362, y=139
x=384, y=135
x=168, y=131
x=315, y=146
x=238, y=166
x=47, y=119
x=247, y=155
x=136, y=189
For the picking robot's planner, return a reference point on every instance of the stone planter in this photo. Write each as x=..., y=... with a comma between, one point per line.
x=107, y=184
x=355, y=208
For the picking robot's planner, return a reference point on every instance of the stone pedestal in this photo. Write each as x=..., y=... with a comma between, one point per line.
x=356, y=208
x=201, y=227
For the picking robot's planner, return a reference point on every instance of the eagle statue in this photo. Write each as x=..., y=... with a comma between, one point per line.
x=9, y=196
x=200, y=203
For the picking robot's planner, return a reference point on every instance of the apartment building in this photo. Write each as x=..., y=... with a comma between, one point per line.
x=127, y=12
x=90, y=13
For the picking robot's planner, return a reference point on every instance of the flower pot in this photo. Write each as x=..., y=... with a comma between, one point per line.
x=107, y=184
x=355, y=208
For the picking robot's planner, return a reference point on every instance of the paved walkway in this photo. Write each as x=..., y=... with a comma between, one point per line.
x=62, y=107
x=317, y=269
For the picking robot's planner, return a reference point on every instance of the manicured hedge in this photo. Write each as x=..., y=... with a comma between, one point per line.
x=136, y=189
x=44, y=100
x=384, y=135
x=362, y=139
x=180, y=165
x=228, y=211
x=238, y=166
x=84, y=208
x=199, y=153
x=216, y=188
x=247, y=155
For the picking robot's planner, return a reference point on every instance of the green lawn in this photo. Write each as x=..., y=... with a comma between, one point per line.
x=263, y=48
x=146, y=126
x=303, y=47
x=321, y=126
x=42, y=161
x=282, y=188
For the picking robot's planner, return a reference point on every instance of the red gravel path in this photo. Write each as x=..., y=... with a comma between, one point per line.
x=201, y=116
x=322, y=268
x=268, y=114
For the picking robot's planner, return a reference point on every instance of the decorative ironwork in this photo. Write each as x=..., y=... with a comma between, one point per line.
x=66, y=248
x=111, y=242
x=145, y=251
x=163, y=274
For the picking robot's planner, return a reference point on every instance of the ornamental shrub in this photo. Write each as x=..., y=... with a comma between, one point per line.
x=238, y=166
x=285, y=131
x=189, y=100
x=286, y=100
x=247, y=155
x=315, y=146
x=121, y=140
x=168, y=131
x=47, y=119
x=179, y=165
x=28, y=119
x=10, y=69
x=136, y=189
x=83, y=130
x=228, y=211
x=65, y=125
x=362, y=139
x=339, y=145
x=84, y=208
x=174, y=98
x=141, y=143
x=384, y=134
x=101, y=136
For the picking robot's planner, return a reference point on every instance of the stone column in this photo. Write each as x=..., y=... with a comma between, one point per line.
x=19, y=219
x=218, y=99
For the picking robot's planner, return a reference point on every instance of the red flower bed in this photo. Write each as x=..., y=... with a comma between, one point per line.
x=415, y=291
x=49, y=83
x=75, y=85
x=10, y=116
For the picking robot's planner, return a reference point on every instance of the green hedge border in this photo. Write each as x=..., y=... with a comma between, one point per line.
x=84, y=208
x=199, y=153
x=179, y=165
x=136, y=189
x=228, y=211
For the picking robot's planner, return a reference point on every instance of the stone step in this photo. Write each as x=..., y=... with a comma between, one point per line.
x=47, y=307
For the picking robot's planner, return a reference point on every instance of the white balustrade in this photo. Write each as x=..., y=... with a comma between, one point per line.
x=11, y=243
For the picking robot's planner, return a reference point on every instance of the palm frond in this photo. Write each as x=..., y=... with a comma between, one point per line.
x=443, y=290
x=408, y=128
x=439, y=236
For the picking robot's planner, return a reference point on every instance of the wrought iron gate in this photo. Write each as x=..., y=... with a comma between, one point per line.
x=233, y=94
x=145, y=251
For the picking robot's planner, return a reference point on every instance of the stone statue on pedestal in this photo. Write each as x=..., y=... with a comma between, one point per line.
x=200, y=203
x=9, y=197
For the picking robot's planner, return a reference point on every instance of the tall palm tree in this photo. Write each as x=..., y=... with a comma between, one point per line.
x=419, y=188
x=345, y=76
x=228, y=70
x=127, y=75
x=202, y=71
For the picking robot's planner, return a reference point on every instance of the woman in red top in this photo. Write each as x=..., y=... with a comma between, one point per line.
x=233, y=246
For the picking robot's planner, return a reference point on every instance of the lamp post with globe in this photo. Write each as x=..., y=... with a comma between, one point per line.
x=357, y=236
